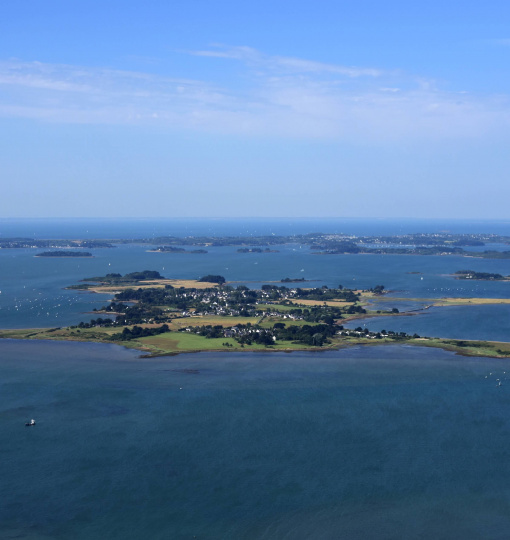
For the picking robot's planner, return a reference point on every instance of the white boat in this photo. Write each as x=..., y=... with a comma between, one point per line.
x=31, y=423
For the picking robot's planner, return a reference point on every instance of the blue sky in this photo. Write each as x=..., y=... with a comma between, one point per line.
x=179, y=109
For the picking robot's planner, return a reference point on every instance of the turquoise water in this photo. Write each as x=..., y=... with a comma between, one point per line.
x=387, y=442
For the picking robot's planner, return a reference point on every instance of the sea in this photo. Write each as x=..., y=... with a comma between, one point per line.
x=383, y=442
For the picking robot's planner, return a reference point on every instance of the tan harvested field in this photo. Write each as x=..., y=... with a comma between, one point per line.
x=189, y=283
x=469, y=301
x=448, y=301
x=212, y=320
x=154, y=284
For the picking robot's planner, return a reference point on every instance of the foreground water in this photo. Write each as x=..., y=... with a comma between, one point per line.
x=380, y=442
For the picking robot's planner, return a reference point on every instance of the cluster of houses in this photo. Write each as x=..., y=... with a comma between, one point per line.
x=373, y=335
x=233, y=332
x=233, y=303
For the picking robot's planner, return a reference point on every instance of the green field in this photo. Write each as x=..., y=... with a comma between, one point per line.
x=173, y=342
x=275, y=307
x=179, y=342
x=269, y=322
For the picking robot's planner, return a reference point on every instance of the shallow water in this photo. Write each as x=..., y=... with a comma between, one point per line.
x=382, y=442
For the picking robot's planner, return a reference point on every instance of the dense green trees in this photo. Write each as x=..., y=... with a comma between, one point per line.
x=139, y=332
x=212, y=278
x=471, y=274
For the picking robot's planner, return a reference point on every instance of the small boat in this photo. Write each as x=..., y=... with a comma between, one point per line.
x=31, y=423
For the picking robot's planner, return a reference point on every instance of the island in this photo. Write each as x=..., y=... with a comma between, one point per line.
x=23, y=243
x=172, y=249
x=483, y=276
x=443, y=244
x=64, y=254
x=257, y=250
x=162, y=316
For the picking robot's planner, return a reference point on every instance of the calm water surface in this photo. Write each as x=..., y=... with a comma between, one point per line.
x=486, y=322
x=149, y=227
x=386, y=442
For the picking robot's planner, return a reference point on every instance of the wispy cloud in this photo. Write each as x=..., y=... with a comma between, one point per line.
x=280, y=96
x=285, y=63
x=234, y=53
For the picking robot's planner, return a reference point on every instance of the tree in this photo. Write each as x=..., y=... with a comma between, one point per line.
x=211, y=278
x=317, y=340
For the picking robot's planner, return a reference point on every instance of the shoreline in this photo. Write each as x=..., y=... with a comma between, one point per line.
x=467, y=348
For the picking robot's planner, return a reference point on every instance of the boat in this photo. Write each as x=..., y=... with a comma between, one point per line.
x=31, y=423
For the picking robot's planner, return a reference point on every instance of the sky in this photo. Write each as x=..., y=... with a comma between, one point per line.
x=264, y=109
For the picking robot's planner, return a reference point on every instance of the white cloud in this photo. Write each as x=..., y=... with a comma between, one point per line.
x=288, y=64
x=235, y=53
x=285, y=97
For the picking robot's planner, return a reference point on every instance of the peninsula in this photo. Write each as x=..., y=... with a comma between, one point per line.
x=482, y=276
x=161, y=316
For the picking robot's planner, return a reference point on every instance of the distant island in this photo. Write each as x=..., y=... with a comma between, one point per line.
x=321, y=243
x=66, y=254
x=23, y=243
x=484, y=276
x=172, y=249
x=257, y=250
x=292, y=280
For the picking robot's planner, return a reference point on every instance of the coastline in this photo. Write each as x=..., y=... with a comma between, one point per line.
x=175, y=342
x=468, y=348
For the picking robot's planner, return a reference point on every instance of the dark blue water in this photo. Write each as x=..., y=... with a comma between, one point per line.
x=386, y=442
